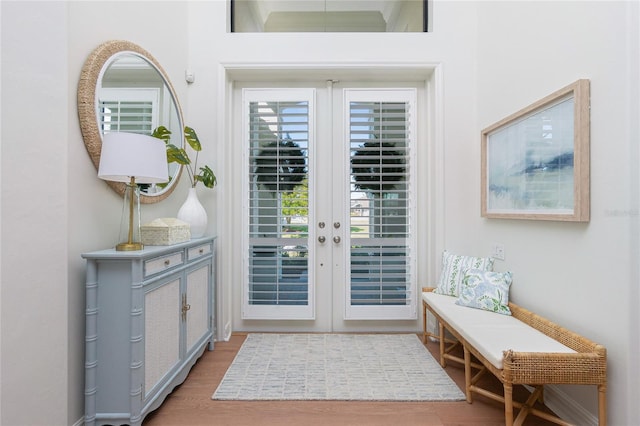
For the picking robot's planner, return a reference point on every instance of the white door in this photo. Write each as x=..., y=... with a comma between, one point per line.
x=329, y=178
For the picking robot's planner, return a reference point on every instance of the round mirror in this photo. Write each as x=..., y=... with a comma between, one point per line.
x=123, y=88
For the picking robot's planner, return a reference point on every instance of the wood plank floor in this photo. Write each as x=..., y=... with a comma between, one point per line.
x=191, y=403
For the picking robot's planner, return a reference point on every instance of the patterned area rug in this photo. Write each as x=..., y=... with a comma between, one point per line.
x=348, y=367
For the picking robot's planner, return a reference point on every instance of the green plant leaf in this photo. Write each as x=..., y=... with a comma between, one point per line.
x=207, y=177
x=192, y=138
x=162, y=133
x=177, y=155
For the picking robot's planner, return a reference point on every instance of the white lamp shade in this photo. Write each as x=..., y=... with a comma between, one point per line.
x=127, y=155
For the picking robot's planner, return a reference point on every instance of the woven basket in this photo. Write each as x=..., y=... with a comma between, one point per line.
x=165, y=232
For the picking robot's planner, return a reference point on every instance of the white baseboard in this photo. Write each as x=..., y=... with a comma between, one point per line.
x=567, y=408
x=227, y=332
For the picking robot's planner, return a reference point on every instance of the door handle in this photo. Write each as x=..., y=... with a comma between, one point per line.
x=185, y=307
x=336, y=239
x=321, y=239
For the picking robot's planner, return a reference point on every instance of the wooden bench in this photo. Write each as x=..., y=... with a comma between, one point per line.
x=523, y=348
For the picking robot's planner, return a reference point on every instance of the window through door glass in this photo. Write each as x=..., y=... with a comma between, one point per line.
x=381, y=255
x=278, y=203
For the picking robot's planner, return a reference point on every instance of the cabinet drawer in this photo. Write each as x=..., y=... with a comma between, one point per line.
x=198, y=251
x=163, y=263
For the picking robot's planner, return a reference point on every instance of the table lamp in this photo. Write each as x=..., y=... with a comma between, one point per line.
x=132, y=158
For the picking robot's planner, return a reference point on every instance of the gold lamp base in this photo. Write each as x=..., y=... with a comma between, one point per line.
x=132, y=206
x=129, y=246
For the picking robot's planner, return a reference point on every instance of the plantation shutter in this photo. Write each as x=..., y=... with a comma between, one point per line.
x=278, y=209
x=131, y=110
x=382, y=268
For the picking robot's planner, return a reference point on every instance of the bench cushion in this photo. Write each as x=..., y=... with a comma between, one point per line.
x=490, y=333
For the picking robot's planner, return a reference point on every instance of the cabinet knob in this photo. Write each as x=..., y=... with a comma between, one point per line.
x=167, y=262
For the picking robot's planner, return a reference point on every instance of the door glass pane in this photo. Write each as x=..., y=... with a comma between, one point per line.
x=379, y=212
x=278, y=203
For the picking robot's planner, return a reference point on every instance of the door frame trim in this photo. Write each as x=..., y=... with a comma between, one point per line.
x=432, y=127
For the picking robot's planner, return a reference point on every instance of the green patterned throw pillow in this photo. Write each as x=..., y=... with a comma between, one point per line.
x=486, y=290
x=453, y=267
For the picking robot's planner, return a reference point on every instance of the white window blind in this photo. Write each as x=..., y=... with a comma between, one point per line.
x=381, y=263
x=278, y=203
x=133, y=117
x=130, y=110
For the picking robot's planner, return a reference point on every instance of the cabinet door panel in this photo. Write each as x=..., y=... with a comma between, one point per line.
x=198, y=299
x=162, y=332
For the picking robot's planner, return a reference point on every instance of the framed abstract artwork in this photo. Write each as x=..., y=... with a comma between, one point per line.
x=535, y=163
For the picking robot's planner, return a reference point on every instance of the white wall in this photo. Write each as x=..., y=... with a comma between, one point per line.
x=53, y=205
x=583, y=276
x=34, y=215
x=54, y=208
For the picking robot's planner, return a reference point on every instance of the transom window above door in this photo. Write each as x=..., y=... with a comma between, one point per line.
x=256, y=16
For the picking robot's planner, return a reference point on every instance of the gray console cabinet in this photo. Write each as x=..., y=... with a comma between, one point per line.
x=149, y=317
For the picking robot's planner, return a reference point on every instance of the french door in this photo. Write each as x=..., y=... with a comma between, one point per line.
x=329, y=206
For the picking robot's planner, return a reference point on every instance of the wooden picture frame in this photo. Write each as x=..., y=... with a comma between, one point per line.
x=535, y=163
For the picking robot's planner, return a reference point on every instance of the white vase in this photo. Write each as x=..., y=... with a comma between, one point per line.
x=194, y=214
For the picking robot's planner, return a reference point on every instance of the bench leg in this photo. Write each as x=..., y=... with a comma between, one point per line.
x=424, y=322
x=508, y=404
x=602, y=405
x=467, y=373
x=443, y=361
